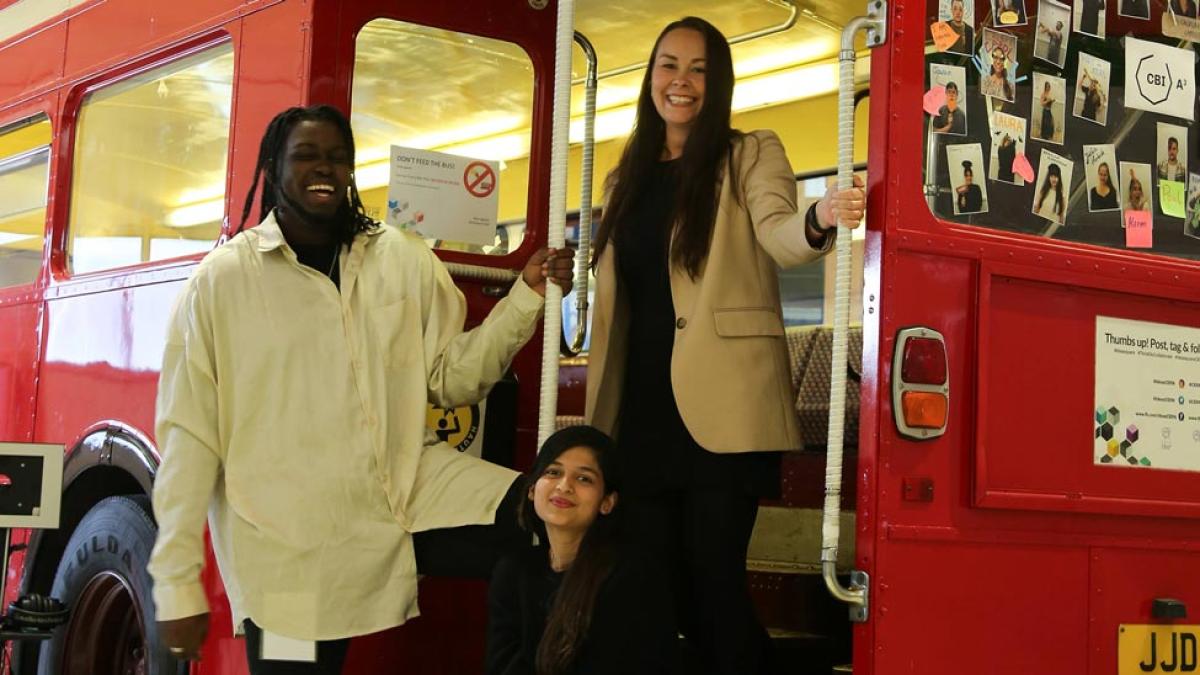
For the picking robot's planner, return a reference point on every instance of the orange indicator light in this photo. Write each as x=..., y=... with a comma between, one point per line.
x=924, y=409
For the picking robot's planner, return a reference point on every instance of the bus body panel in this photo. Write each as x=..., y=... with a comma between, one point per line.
x=1028, y=557
x=104, y=331
x=20, y=329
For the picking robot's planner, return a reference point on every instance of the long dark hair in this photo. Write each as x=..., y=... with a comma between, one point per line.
x=352, y=216
x=705, y=154
x=1052, y=170
x=1008, y=92
x=571, y=614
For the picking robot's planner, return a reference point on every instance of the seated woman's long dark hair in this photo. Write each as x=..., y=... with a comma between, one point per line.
x=571, y=614
x=705, y=154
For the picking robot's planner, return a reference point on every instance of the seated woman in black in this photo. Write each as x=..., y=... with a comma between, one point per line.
x=575, y=604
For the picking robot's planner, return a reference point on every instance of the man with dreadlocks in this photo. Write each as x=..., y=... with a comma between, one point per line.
x=291, y=410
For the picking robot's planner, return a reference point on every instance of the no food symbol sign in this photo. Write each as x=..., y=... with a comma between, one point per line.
x=480, y=179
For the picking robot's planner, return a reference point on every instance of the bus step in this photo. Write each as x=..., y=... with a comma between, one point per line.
x=802, y=653
x=794, y=653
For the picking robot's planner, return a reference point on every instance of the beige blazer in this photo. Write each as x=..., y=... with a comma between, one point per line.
x=729, y=366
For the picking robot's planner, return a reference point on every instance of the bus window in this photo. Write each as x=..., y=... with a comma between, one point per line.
x=24, y=179
x=1056, y=97
x=479, y=106
x=150, y=162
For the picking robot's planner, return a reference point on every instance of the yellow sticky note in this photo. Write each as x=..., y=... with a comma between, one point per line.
x=944, y=36
x=1170, y=195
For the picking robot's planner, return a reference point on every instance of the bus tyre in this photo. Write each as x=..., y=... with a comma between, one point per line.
x=103, y=579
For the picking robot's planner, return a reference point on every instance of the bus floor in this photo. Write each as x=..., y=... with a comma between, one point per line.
x=809, y=630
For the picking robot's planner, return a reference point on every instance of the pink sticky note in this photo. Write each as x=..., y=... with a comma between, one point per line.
x=934, y=99
x=1139, y=229
x=1023, y=168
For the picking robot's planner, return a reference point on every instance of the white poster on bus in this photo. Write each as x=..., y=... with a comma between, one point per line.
x=440, y=196
x=1147, y=405
x=1160, y=78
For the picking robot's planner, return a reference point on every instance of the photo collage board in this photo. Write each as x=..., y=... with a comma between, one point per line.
x=1072, y=119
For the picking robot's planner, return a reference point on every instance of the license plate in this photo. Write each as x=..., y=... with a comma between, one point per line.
x=1143, y=648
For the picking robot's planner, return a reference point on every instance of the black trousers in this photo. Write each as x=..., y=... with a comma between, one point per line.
x=702, y=534
x=470, y=552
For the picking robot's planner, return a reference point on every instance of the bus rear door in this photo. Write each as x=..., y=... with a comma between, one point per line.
x=1027, y=204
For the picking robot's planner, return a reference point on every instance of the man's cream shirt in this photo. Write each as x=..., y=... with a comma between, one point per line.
x=294, y=416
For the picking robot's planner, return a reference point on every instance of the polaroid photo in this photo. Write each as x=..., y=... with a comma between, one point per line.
x=998, y=54
x=1008, y=13
x=1191, y=224
x=960, y=16
x=952, y=116
x=995, y=105
x=1008, y=141
x=1134, y=9
x=1137, y=187
x=1053, y=32
x=968, y=180
x=1089, y=17
x=1184, y=8
x=1172, y=157
x=1053, y=187
x=1091, y=89
x=1100, y=168
x=1048, y=119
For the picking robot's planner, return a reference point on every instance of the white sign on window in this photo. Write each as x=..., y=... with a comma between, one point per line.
x=1147, y=406
x=1159, y=78
x=442, y=196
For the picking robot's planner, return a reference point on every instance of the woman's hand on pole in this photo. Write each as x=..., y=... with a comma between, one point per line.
x=842, y=207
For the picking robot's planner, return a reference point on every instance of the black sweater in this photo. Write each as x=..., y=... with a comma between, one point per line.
x=633, y=630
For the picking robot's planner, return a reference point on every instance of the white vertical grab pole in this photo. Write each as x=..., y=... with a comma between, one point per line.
x=559, y=147
x=857, y=594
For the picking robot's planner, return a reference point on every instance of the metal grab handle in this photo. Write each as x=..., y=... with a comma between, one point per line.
x=857, y=595
x=584, y=253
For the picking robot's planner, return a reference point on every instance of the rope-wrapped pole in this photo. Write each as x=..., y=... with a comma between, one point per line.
x=831, y=521
x=559, y=146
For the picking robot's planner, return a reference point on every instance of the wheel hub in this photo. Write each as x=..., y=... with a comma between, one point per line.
x=104, y=635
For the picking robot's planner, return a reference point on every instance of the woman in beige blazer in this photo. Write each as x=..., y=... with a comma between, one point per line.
x=688, y=366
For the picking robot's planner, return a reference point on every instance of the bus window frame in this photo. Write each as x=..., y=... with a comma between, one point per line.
x=355, y=16
x=42, y=106
x=901, y=222
x=898, y=81
x=63, y=182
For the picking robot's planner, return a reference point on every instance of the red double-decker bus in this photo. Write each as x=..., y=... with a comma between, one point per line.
x=1023, y=430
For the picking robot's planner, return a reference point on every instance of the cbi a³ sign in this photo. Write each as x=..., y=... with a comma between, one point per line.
x=1154, y=80
x=1158, y=78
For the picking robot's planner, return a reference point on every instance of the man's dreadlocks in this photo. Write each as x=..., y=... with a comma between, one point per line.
x=353, y=216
